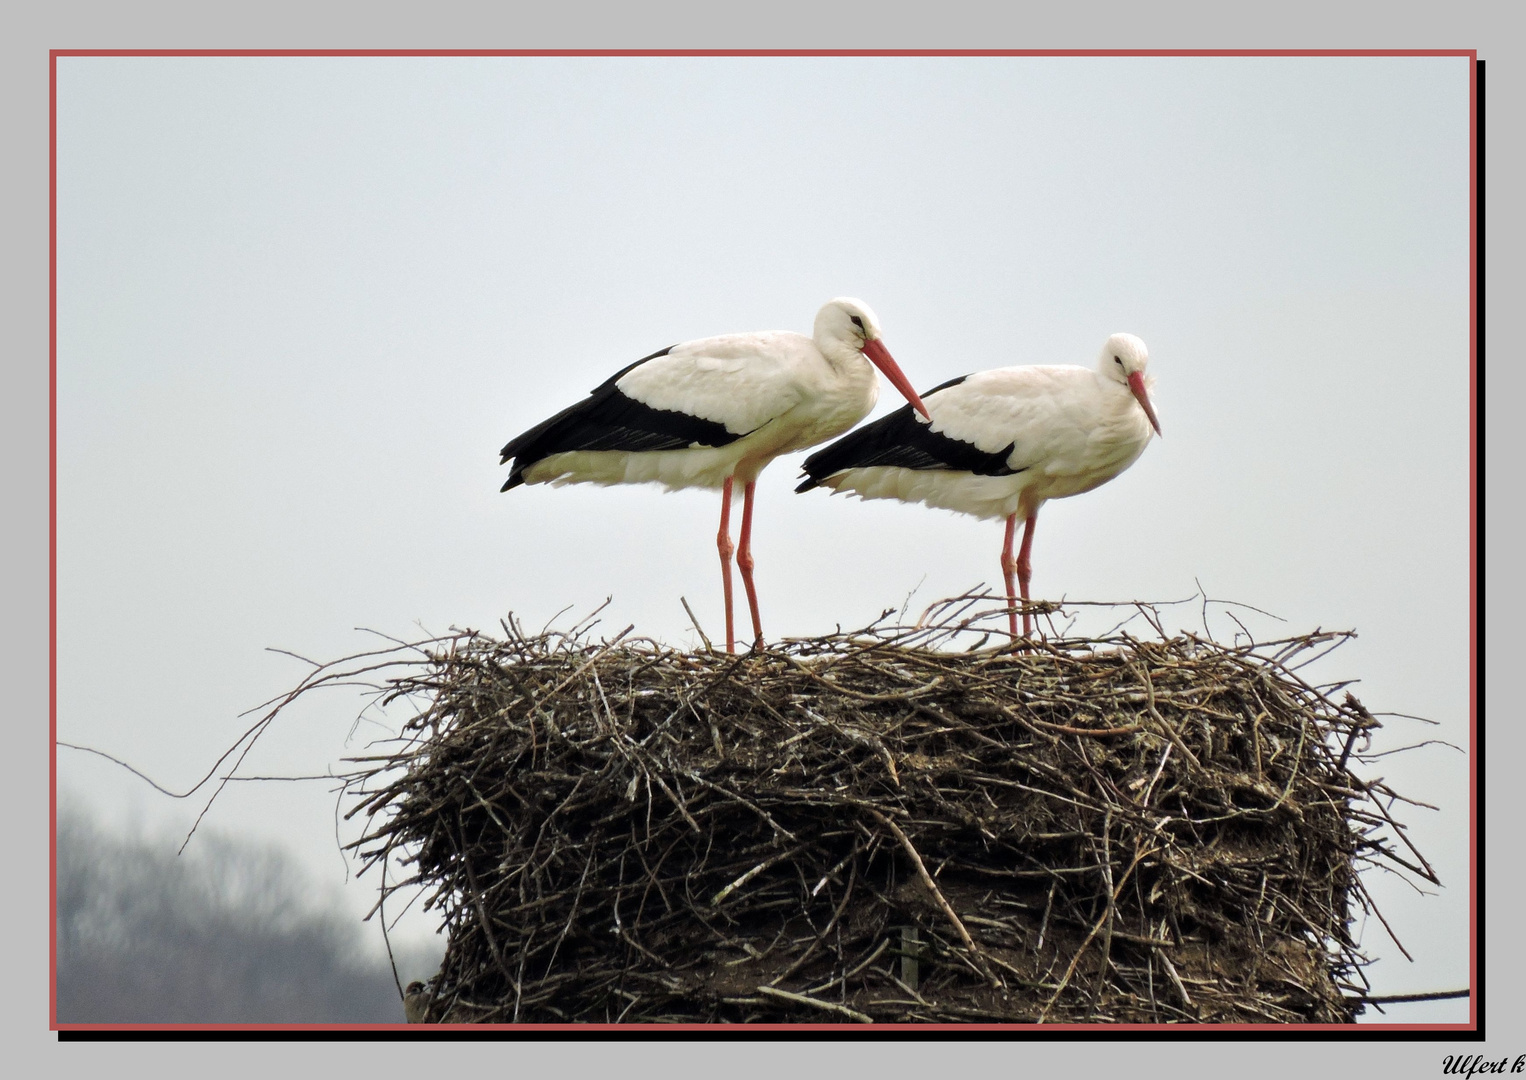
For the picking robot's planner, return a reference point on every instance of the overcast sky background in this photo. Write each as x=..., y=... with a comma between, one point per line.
x=303, y=302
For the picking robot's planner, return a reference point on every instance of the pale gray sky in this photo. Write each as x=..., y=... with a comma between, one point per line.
x=303, y=302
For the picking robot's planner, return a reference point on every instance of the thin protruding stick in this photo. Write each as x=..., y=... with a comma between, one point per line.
x=816, y=1003
x=1390, y=999
x=1165, y=725
x=932, y=887
x=697, y=628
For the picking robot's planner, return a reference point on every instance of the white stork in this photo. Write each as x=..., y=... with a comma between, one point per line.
x=709, y=412
x=1002, y=442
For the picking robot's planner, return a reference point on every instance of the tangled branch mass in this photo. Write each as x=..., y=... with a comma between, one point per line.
x=874, y=827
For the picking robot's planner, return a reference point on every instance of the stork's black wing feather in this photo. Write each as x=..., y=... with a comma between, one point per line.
x=901, y=440
x=609, y=420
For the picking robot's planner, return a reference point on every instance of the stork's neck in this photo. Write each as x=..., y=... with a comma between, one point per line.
x=845, y=358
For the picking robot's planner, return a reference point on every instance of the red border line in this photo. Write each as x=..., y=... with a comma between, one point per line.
x=53, y=537
x=1473, y=134
x=768, y=52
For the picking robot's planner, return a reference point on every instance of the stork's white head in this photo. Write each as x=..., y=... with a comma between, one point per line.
x=1124, y=359
x=846, y=323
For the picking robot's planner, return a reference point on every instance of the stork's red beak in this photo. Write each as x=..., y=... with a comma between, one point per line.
x=880, y=357
x=1136, y=384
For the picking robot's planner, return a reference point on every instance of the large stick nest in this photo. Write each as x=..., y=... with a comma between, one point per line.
x=874, y=827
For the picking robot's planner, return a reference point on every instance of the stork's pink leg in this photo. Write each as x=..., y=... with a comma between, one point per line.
x=744, y=563
x=1007, y=567
x=723, y=542
x=1025, y=568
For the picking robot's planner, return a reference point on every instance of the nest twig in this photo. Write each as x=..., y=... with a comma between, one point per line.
x=873, y=827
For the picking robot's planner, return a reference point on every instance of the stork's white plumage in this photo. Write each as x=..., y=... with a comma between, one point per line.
x=1002, y=442
x=710, y=412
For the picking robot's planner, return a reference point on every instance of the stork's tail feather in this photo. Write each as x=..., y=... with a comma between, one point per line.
x=904, y=440
x=609, y=420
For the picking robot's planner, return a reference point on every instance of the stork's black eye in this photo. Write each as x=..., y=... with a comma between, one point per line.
x=857, y=321
x=1118, y=360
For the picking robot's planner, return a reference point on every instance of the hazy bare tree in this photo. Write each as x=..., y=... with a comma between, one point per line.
x=227, y=933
